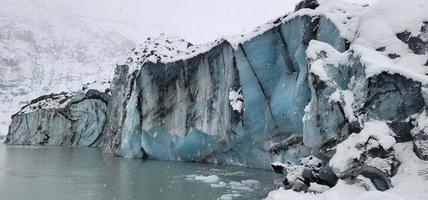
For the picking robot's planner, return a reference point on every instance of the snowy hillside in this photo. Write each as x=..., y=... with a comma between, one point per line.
x=43, y=52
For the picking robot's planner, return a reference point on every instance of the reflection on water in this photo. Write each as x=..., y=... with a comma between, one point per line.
x=85, y=173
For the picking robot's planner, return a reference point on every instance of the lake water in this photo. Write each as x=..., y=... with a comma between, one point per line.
x=53, y=173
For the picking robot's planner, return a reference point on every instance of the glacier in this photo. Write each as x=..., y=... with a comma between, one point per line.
x=74, y=119
x=316, y=84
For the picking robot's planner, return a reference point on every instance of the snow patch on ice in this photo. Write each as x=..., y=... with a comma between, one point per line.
x=236, y=100
x=346, y=98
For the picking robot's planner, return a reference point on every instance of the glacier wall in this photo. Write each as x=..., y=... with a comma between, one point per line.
x=75, y=120
x=181, y=111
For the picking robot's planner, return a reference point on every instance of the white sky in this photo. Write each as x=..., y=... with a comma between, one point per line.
x=195, y=20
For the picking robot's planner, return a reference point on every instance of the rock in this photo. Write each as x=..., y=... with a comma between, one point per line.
x=310, y=170
x=368, y=153
x=418, y=44
x=311, y=4
x=300, y=186
x=420, y=136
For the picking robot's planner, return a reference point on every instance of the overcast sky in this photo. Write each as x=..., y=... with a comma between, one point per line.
x=195, y=20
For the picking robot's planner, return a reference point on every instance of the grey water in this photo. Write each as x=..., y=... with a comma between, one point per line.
x=53, y=173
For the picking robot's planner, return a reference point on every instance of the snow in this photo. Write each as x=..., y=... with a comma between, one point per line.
x=329, y=55
x=379, y=163
x=346, y=97
x=409, y=16
x=410, y=183
x=377, y=63
x=53, y=102
x=317, y=188
x=421, y=127
x=236, y=100
x=378, y=26
x=311, y=161
x=337, y=12
x=422, y=122
x=349, y=150
x=372, y=31
x=165, y=49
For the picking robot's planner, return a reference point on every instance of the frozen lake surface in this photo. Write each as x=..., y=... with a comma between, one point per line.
x=85, y=173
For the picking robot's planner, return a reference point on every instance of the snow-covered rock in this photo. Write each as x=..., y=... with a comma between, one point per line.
x=420, y=135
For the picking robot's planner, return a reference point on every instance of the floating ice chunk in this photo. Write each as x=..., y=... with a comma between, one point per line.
x=229, y=196
x=248, y=185
x=219, y=184
x=208, y=179
x=203, y=179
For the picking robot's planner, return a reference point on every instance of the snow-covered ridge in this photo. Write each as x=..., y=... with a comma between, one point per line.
x=53, y=101
x=165, y=49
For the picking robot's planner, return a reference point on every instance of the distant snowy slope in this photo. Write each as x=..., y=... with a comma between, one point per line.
x=43, y=52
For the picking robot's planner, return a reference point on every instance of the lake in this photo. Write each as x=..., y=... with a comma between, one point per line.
x=53, y=173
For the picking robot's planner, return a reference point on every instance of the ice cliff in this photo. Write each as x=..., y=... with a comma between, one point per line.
x=74, y=119
x=337, y=82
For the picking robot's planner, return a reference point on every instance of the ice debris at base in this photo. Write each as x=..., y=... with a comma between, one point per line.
x=204, y=179
x=327, y=94
x=234, y=188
